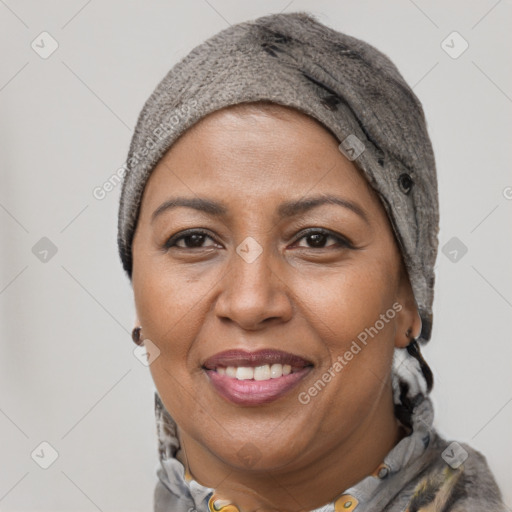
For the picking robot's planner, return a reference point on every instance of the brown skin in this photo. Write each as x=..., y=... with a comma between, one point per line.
x=309, y=295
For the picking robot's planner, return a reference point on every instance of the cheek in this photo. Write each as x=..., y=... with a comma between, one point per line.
x=166, y=294
x=346, y=302
x=172, y=306
x=170, y=314
x=171, y=310
x=352, y=311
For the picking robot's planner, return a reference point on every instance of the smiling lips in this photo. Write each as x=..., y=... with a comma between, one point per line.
x=254, y=378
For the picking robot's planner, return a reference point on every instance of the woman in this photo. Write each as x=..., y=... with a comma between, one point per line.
x=279, y=226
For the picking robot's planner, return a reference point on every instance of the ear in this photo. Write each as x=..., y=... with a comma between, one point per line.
x=408, y=320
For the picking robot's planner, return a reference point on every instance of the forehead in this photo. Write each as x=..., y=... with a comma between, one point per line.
x=257, y=153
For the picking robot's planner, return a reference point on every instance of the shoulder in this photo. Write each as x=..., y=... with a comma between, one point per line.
x=457, y=479
x=478, y=483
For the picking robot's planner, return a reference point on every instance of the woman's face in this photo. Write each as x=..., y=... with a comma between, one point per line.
x=265, y=272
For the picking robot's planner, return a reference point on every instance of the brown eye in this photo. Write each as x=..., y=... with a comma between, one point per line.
x=317, y=238
x=191, y=239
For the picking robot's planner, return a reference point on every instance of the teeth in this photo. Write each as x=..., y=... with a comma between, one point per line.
x=244, y=373
x=264, y=372
x=276, y=370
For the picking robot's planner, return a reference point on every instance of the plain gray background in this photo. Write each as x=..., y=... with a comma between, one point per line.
x=68, y=375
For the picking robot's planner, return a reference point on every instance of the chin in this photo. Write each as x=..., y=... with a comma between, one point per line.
x=251, y=453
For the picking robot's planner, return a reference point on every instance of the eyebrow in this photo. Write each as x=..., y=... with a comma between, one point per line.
x=286, y=209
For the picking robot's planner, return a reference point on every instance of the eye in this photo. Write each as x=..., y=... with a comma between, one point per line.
x=317, y=237
x=191, y=239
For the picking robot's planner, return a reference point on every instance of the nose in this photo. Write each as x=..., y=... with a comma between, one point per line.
x=254, y=292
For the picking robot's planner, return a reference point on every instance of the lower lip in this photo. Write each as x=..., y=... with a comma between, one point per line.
x=255, y=392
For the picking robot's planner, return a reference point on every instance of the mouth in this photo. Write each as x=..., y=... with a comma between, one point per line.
x=255, y=378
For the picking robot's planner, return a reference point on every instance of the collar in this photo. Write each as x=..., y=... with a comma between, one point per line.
x=404, y=461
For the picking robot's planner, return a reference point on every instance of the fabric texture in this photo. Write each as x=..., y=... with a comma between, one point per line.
x=346, y=84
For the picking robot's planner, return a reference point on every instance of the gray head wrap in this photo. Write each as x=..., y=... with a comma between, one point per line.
x=343, y=82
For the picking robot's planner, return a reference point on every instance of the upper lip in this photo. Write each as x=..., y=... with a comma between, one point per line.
x=256, y=358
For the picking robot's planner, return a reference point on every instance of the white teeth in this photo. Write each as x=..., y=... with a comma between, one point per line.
x=244, y=373
x=264, y=372
x=276, y=370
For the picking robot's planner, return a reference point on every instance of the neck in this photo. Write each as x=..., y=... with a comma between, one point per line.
x=311, y=486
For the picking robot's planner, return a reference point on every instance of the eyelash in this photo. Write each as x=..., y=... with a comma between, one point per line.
x=342, y=241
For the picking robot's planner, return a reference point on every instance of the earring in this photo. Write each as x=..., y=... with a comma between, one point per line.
x=136, y=335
